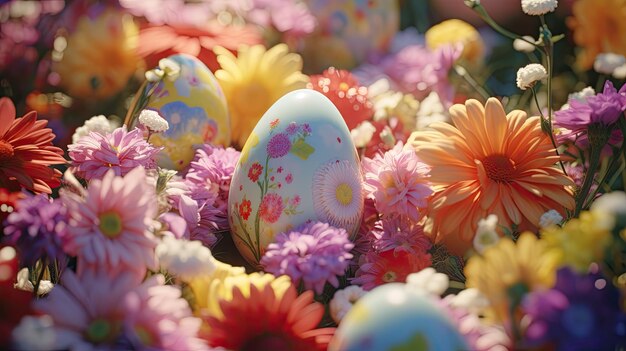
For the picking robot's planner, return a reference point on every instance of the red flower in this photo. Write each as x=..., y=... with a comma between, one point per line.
x=255, y=171
x=8, y=201
x=289, y=178
x=342, y=88
x=14, y=303
x=271, y=208
x=378, y=268
x=265, y=321
x=244, y=209
x=26, y=152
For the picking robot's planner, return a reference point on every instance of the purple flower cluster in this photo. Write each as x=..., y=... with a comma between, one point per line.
x=314, y=253
x=581, y=312
x=37, y=229
x=279, y=145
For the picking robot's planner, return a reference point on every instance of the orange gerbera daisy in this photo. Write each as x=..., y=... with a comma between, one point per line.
x=491, y=163
x=26, y=151
x=263, y=320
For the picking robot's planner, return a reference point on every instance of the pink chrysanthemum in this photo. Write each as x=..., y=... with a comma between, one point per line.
x=378, y=268
x=93, y=155
x=212, y=170
x=200, y=216
x=109, y=225
x=399, y=233
x=157, y=317
x=271, y=207
x=398, y=182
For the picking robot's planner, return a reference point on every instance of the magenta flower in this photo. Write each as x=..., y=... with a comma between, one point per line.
x=271, y=207
x=314, y=253
x=37, y=229
x=398, y=182
x=109, y=226
x=279, y=145
x=399, y=233
x=93, y=155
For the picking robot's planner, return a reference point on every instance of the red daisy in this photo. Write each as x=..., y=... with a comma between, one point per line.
x=245, y=209
x=255, y=171
x=26, y=152
x=265, y=321
x=378, y=268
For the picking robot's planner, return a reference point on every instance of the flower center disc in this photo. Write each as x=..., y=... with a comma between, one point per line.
x=100, y=330
x=499, y=168
x=6, y=150
x=110, y=224
x=343, y=194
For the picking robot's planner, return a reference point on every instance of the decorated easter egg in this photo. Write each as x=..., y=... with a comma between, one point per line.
x=299, y=164
x=395, y=317
x=195, y=108
x=349, y=32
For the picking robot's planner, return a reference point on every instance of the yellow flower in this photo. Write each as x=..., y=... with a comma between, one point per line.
x=455, y=31
x=254, y=80
x=100, y=56
x=598, y=27
x=211, y=289
x=581, y=241
x=508, y=270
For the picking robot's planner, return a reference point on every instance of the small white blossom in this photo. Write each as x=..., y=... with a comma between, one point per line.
x=524, y=45
x=37, y=333
x=620, y=72
x=183, y=258
x=387, y=137
x=153, y=121
x=431, y=109
x=613, y=203
x=428, y=280
x=377, y=88
x=154, y=75
x=23, y=283
x=550, y=218
x=362, y=134
x=486, y=233
x=343, y=300
x=606, y=63
x=170, y=68
x=538, y=7
x=98, y=124
x=529, y=75
x=470, y=299
x=580, y=96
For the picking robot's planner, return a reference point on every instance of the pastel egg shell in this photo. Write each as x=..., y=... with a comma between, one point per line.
x=195, y=108
x=393, y=317
x=298, y=165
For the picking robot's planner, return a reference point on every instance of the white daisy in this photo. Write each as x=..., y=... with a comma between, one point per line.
x=337, y=195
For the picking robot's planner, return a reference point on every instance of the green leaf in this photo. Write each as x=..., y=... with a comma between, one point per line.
x=301, y=149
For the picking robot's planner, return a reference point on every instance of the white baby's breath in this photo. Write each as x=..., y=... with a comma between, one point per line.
x=606, y=63
x=343, y=300
x=37, y=333
x=470, y=299
x=362, y=134
x=529, y=75
x=153, y=121
x=486, y=233
x=550, y=218
x=428, y=280
x=524, y=45
x=538, y=7
x=98, y=124
x=170, y=68
x=183, y=258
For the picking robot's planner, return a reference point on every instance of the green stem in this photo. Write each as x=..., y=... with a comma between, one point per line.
x=480, y=10
x=594, y=161
x=537, y=103
x=42, y=270
x=461, y=71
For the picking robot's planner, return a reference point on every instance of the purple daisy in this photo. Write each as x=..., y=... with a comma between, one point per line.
x=279, y=145
x=37, y=229
x=314, y=253
x=581, y=312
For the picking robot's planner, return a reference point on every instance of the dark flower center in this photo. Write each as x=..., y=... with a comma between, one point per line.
x=6, y=151
x=499, y=168
x=110, y=224
x=268, y=341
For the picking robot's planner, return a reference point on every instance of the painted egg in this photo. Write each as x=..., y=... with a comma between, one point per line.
x=349, y=32
x=299, y=164
x=394, y=317
x=196, y=110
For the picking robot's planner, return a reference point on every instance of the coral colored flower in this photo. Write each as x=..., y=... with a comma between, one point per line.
x=489, y=163
x=26, y=152
x=37, y=229
x=263, y=320
x=245, y=209
x=507, y=271
x=345, y=92
x=250, y=89
x=398, y=181
x=313, y=253
x=121, y=151
x=279, y=145
x=255, y=171
x=592, y=32
x=581, y=313
x=271, y=207
x=378, y=268
x=110, y=225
